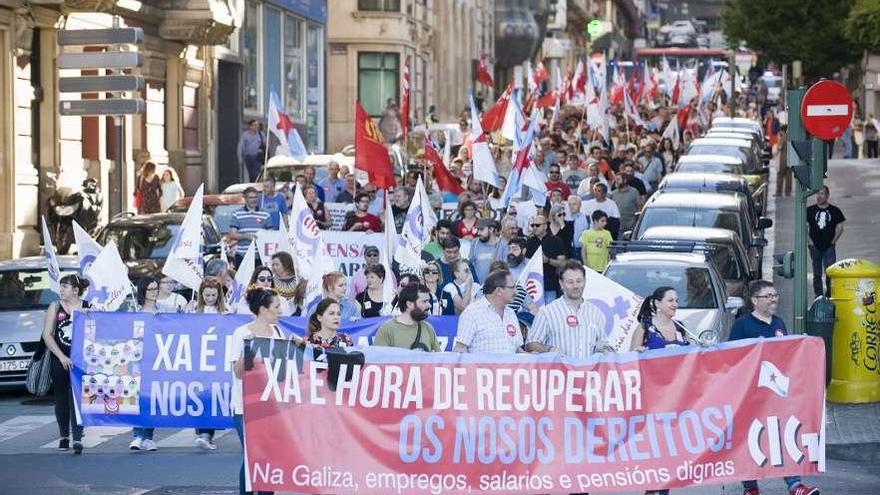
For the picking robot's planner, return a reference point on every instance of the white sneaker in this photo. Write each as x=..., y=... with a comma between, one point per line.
x=204, y=442
x=136, y=444
x=212, y=445
x=149, y=444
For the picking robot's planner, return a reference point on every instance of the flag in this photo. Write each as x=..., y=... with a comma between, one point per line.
x=710, y=80
x=184, y=262
x=493, y=118
x=579, y=79
x=513, y=118
x=620, y=307
x=522, y=152
x=672, y=131
x=414, y=234
x=540, y=75
x=532, y=278
x=242, y=276
x=618, y=85
x=484, y=165
x=86, y=247
x=669, y=77
x=770, y=377
x=428, y=215
x=387, y=256
x=404, y=99
x=631, y=111
x=649, y=87
x=370, y=154
x=51, y=260
x=281, y=126
x=483, y=74
x=108, y=280
x=689, y=89
x=536, y=183
x=444, y=178
x=305, y=236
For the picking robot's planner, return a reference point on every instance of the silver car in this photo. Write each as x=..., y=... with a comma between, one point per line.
x=24, y=297
x=703, y=303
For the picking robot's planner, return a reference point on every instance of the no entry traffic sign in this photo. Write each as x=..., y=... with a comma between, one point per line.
x=827, y=110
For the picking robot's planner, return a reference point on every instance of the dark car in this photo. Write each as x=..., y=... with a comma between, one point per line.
x=714, y=183
x=724, y=211
x=219, y=206
x=144, y=241
x=24, y=297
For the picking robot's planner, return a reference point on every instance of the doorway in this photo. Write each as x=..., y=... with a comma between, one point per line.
x=228, y=122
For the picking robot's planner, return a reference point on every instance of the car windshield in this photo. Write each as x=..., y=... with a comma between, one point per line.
x=26, y=289
x=720, y=149
x=139, y=242
x=723, y=257
x=223, y=216
x=689, y=217
x=711, y=167
x=693, y=284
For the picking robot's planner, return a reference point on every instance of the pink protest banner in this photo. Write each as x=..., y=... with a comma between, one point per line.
x=416, y=423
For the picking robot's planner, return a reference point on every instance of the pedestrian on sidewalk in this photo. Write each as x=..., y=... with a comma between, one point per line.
x=252, y=149
x=763, y=322
x=783, y=175
x=825, y=222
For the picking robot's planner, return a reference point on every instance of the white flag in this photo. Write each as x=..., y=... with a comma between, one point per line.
x=184, y=262
x=87, y=249
x=51, y=260
x=413, y=235
x=484, y=164
x=672, y=131
x=619, y=305
x=387, y=256
x=108, y=280
x=428, y=214
x=305, y=236
x=242, y=277
x=513, y=118
x=770, y=377
x=532, y=277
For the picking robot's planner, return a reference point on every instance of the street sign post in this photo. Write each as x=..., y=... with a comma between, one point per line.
x=827, y=110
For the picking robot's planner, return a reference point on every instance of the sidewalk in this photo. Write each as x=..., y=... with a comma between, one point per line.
x=852, y=431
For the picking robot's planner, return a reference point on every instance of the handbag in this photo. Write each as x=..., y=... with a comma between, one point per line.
x=417, y=344
x=39, y=376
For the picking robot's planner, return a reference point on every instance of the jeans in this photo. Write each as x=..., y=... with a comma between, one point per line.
x=142, y=433
x=206, y=431
x=821, y=261
x=847, y=143
x=790, y=481
x=871, y=149
x=238, y=419
x=254, y=164
x=65, y=414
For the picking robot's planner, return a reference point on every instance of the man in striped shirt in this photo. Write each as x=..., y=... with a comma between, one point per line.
x=247, y=222
x=569, y=325
x=488, y=325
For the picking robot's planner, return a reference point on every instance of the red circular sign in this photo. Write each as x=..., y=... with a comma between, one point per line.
x=827, y=110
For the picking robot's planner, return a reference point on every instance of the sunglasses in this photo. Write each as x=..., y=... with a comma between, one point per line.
x=264, y=279
x=431, y=272
x=534, y=225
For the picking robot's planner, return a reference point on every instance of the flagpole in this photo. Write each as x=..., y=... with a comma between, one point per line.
x=266, y=151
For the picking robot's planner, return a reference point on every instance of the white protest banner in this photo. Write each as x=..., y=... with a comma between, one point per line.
x=346, y=249
x=619, y=305
x=336, y=213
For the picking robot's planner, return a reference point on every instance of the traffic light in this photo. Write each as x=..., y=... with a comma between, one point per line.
x=783, y=264
x=813, y=154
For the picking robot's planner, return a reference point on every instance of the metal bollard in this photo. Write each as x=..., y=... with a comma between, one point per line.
x=855, y=363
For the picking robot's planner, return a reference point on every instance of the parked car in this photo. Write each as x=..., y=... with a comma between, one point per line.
x=219, y=206
x=703, y=303
x=741, y=149
x=725, y=211
x=24, y=297
x=144, y=241
x=741, y=122
x=722, y=247
x=716, y=164
x=757, y=145
x=715, y=183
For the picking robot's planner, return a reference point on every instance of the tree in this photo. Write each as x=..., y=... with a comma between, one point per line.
x=862, y=26
x=783, y=31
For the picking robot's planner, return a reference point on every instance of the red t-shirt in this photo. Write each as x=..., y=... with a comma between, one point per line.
x=463, y=232
x=561, y=185
x=373, y=224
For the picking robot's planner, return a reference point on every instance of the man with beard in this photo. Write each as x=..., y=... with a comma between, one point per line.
x=487, y=247
x=569, y=325
x=516, y=256
x=409, y=330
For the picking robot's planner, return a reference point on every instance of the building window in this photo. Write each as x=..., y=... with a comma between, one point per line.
x=272, y=53
x=249, y=53
x=294, y=61
x=314, y=121
x=190, y=117
x=379, y=5
x=378, y=76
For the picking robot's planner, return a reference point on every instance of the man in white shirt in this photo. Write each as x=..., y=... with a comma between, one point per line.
x=488, y=325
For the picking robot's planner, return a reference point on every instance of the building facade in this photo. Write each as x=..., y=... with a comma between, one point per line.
x=369, y=41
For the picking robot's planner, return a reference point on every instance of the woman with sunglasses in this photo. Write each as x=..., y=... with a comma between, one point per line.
x=209, y=302
x=559, y=228
x=147, y=295
x=57, y=337
x=323, y=328
x=263, y=279
x=431, y=277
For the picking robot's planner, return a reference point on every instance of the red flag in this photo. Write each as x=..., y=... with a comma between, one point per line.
x=548, y=100
x=445, y=180
x=540, y=74
x=404, y=100
x=483, y=74
x=682, y=116
x=370, y=154
x=494, y=117
x=579, y=80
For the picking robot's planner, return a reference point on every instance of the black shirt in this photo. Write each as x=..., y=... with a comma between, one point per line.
x=638, y=185
x=553, y=247
x=823, y=223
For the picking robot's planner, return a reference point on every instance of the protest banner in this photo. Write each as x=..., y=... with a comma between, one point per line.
x=394, y=421
x=345, y=248
x=336, y=213
x=173, y=370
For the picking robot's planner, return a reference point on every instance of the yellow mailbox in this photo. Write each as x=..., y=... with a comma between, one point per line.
x=855, y=367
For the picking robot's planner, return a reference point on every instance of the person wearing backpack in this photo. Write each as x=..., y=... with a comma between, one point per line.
x=409, y=330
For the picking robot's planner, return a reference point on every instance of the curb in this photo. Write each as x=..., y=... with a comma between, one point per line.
x=860, y=452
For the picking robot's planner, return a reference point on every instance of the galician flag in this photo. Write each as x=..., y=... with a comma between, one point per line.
x=184, y=262
x=770, y=377
x=484, y=165
x=281, y=126
x=51, y=260
x=532, y=278
x=108, y=277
